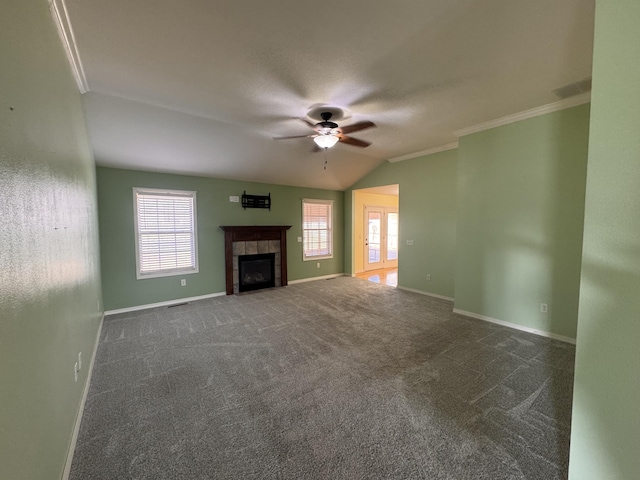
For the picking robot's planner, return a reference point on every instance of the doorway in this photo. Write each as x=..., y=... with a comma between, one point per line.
x=376, y=211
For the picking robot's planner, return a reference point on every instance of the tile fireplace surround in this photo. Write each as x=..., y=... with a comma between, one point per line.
x=252, y=240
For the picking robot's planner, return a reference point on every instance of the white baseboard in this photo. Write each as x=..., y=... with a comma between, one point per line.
x=542, y=333
x=164, y=304
x=422, y=292
x=85, y=393
x=312, y=279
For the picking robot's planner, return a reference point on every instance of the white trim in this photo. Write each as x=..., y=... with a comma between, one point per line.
x=422, y=292
x=164, y=304
x=534, y=112
x=311, y=279
x=63, y=23
x=422, y=153
x=85, y=393
x=542, y=333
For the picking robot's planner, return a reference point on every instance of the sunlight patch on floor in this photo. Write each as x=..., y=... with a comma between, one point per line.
x=383, y=276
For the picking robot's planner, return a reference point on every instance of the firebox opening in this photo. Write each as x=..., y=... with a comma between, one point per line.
x=256, y=271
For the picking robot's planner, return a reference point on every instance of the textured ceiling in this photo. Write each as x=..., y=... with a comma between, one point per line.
x=202, y=86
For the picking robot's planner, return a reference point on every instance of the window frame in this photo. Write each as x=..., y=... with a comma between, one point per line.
x=308, y=258
x=168, y=193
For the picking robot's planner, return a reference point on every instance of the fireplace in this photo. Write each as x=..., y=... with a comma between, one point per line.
x=254, y=241
x=256, y=271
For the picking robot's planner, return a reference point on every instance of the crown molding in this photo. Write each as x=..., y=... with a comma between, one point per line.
x=422, y=153
x=534, y=112
x=61, y=17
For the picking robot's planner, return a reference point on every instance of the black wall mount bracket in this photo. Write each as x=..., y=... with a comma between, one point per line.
x=256, y=201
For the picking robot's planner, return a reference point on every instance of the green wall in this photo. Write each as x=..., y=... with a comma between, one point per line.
x=117, y=239
x=427, y=216
x=497, y=222
x=605, y=431
x=520, y=220
x=49, y=281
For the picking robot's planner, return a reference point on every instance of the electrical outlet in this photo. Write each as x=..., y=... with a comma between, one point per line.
x=75, y=371
x=79, y=360
x=428, y=277
x=234, y=199
x=410, y=242
x=299, y=239
x=318, y=265
x=544, y=308
x=183, y=282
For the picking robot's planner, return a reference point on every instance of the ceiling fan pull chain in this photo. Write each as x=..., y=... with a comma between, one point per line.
x=325, y=158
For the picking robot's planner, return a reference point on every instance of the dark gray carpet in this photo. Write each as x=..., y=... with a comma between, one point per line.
x=334, y=379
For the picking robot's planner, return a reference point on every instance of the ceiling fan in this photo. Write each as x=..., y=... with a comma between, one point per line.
x=328, y=133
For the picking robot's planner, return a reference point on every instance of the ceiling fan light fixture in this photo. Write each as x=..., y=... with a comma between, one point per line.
x=325, y=141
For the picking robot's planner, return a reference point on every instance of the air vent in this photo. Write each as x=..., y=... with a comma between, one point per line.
x=574, y=89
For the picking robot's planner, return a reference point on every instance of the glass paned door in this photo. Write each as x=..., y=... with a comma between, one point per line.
x=381, y=238
x=392, y=236
x=373, y=242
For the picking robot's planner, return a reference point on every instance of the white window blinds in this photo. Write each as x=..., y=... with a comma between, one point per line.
x=165, y=232
x=317, y=229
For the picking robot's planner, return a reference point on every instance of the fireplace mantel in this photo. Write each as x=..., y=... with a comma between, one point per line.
x=250, y=233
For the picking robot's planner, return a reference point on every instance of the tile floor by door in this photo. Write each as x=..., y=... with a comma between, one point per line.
x=383, y=276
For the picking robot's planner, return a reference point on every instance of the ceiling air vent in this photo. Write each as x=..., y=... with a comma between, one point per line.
x=574, y=89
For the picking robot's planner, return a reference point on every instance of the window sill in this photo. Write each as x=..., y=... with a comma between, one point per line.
x=171, y=273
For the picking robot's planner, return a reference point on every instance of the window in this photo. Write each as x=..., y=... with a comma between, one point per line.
x=165, y=225
x=317, y=226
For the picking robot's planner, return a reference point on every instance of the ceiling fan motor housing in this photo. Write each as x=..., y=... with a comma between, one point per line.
x=326, y=116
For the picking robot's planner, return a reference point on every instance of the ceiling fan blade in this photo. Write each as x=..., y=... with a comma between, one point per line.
x=353, y=141
x=307, y=122
x=356, y=127
x=316, y=149
x=293, y=136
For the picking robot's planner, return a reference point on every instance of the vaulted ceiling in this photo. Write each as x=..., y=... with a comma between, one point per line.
x=201, y=86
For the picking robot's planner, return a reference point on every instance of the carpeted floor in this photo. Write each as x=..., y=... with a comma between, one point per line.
x=333, y=379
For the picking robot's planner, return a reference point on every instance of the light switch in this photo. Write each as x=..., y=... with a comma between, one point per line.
x=409, y=242
x=299, y=239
